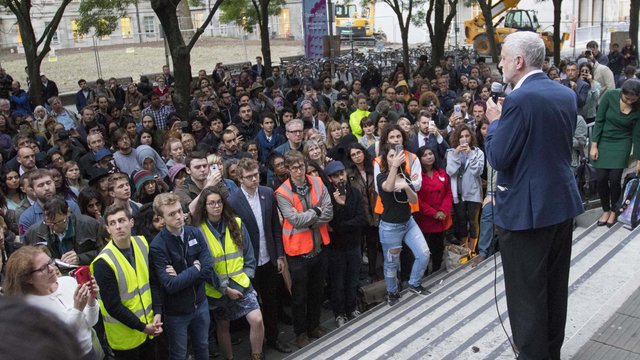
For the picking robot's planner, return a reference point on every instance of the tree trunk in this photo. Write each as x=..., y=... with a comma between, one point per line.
x=557, y=32
x=180, y=55
x=488, y=25
x=439, y=31
x=22, y=11
x=404, y=34
x=634, y=11
x=265, y=41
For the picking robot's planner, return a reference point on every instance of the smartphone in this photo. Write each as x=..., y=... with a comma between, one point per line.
x=457, y=110
x=82, y=274
x=399, y=148
x=342, y=188
x=214, y=168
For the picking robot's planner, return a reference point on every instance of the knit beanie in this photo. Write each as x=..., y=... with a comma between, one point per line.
x=142, y=176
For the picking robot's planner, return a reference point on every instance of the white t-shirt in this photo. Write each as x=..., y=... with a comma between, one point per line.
x=60, y=304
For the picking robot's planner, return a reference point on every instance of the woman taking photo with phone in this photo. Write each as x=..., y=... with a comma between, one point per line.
x=465, y=165
x=31, y=274
x=397, y=225
x=616, y=129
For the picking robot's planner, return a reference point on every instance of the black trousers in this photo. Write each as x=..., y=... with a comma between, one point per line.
x=267, y=282
x=146, y=351
x=435, y=241
x=536, y=274
x=609, y=187
x=307, y=290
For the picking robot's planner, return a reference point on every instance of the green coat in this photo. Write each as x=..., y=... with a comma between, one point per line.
x=615, y=132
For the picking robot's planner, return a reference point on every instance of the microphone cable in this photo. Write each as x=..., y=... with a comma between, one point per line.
x=495, y=265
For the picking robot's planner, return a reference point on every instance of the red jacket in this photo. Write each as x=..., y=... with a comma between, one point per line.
x=434, y=195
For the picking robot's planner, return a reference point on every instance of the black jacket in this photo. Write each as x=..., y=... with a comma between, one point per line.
x=348, y=220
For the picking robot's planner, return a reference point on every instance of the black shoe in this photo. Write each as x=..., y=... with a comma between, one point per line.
x=285, y=318
x=420, y=290
x=393, y=298
x=317, y=333
x=610, y=224
x=280, y=347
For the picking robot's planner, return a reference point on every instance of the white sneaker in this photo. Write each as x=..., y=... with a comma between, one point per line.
x=341, y=320
x=365, y=259
x=354, y=314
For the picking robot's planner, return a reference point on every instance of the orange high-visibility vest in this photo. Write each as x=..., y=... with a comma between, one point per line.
x=415, y=207
x=300, y=241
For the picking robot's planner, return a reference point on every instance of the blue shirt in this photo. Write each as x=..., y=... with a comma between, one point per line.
x=34, y=215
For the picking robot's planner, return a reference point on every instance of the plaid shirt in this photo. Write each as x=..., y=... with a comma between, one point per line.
x=159, y=115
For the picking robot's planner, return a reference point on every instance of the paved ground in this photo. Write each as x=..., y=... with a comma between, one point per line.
x=459, y=320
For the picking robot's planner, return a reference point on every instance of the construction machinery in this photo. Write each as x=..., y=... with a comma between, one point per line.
x=514, y=20
x=356, y=23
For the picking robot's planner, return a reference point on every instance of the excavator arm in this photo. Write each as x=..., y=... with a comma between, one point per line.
x=497, y=9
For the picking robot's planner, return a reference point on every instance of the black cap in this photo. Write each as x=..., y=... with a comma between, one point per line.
x=342, y=96
x=62, y=135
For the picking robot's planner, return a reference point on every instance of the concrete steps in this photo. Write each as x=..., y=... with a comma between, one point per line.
x=459, y=320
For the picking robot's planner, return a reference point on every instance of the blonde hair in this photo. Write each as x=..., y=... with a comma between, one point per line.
x=162, y=200
x=331, y=126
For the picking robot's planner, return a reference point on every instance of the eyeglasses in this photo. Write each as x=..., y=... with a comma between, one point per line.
x=54, y=223
x=45, y=268
x=296, y=168
x=252, y=176
x=214, y=204
x=297, y=132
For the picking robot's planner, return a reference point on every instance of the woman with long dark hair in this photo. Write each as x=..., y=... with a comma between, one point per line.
x=232, y=295
x=435, y=200
x=10, y=186
x=465, y=165
x=360, y=173
x=615, y=130
x=397, y=225
x=91, y=202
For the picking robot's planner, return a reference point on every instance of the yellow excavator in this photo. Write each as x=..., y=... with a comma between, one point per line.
x=514, y=20
x=357, y=26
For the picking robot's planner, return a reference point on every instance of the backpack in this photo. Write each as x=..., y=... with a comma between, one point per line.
x=629, y=203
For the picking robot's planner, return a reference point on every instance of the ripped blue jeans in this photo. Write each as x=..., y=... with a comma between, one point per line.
x=391, y=238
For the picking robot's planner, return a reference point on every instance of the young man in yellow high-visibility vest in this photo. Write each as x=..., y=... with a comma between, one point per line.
x=129, y=296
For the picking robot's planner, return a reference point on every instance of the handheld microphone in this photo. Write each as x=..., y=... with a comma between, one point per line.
x=496, y=90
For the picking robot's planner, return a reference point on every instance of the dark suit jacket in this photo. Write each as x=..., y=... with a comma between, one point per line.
x=530, y=147
x=270, y=221
x=440, y=150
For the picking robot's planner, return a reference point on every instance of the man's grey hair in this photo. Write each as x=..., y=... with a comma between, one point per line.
x=293, y=122
x=528, y=45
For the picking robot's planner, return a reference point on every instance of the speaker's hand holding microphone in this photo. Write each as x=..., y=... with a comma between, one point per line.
x=494, y=108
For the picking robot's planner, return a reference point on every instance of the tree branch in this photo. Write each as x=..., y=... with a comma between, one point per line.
x=258, y=13
x=202, y=27
x=47, y=36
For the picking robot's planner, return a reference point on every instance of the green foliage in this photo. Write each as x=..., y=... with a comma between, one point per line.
x=101, y=15
x=243, y=12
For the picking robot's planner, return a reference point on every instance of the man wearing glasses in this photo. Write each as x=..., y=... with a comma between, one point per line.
x=305, y=204
x=44, y=190
x=256, y=207
x=294, y=134
x=69, y=237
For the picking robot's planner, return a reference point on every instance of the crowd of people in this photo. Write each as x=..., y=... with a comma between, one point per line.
x=275, y=191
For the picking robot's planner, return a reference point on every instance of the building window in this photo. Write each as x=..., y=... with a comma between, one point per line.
x=224, y=30
x=54, y=39
x=125, y=27
x=77, y=36
x=149, y=25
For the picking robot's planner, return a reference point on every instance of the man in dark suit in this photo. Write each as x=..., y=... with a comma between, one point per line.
x=529, y=144
x=428, y=135
x=256, y=206
x=257, y=69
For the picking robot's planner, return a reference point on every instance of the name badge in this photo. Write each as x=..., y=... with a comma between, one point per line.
x=193, y=242
x=441, y=178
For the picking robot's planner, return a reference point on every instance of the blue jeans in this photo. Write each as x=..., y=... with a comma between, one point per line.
x=391, y=237
x=194, y=326
x=486, y=230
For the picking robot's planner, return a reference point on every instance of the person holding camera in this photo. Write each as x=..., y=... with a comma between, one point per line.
x=465, y=164
x=344, y=250
x=397, y=226
x=340, y=110
x=577, y=84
